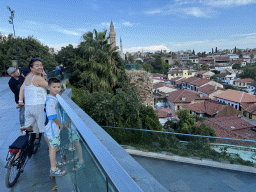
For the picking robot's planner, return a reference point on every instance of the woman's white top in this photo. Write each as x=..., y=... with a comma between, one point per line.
x=34, y=95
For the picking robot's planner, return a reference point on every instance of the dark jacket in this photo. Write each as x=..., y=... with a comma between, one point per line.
x=15, y=86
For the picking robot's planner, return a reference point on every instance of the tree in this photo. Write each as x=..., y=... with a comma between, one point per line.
x=235, y=50
x=67, y=57
x=122, y=109
x=216, y=71
x=193, y=52
x=28, y=47
x=98, y=67
x=187, y=124
x=249, y=72
x=236, y=66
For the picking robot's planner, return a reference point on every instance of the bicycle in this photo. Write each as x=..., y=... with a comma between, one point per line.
x=20, y=151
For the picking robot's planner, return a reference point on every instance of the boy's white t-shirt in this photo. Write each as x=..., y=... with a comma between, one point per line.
x=52, y=130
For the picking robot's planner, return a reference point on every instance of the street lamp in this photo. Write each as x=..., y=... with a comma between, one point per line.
x=11, y=22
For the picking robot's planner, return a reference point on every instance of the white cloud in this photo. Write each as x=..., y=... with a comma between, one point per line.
x=105, y=24
x=229, y=2
x=151, y=48
x=244, y=35
x=196, y=11
x=197, y=8
x=70, y=32
x=118, y=24
x=128, y=24
x=153, y=12
x=207, y=45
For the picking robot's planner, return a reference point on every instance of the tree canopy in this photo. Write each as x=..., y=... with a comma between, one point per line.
x=98, y=67
x=28, y=48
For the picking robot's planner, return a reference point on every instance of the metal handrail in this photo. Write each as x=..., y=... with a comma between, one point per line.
x=119, y=177
x=173, y=133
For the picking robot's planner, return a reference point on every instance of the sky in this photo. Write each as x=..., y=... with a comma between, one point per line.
x=150, y=25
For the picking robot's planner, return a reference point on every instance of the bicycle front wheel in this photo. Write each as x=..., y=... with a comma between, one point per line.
x=13, y=173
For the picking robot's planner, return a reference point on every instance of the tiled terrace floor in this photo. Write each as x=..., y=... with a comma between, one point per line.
x=36, y=174
x=180, y=177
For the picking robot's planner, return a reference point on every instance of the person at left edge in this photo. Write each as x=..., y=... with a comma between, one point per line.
x=15, y=83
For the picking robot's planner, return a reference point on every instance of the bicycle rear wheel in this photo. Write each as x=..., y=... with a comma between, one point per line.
x=37, y=142
x=13, y=172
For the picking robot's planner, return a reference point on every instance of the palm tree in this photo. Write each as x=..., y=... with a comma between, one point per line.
x=97, y=62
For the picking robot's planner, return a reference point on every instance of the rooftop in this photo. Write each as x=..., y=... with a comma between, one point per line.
x=185, y=96
x=231, y=123
x=246, y=80
x=209, y=107
x=200, y=82
x=164, y=112
x=237, y=96
x=190, y=79
x=208, y=89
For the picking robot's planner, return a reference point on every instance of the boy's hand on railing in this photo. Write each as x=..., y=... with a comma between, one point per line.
x=20, y=105
x=61, y=127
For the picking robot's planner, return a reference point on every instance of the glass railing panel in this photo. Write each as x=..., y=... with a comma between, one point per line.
x=85, y=172
x=233, y=151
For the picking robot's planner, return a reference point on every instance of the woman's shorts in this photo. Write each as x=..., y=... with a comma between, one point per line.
x=55, y=142
x=34, y=116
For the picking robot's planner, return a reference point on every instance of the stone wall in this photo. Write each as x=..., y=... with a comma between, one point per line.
x=144, y=84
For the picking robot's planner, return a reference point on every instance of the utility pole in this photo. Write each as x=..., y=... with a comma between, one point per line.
x=11, y=22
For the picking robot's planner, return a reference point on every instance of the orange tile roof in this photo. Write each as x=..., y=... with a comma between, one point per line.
x=201, y=72
x=200, y=82
x=237, y=96
x=190, y=79
x=208, y=89
x=164, y=112
x=176, y=96
x=250, y=108
x=176, y=78
x=248, y=80
x=162, y=84
x=231, y=122
x=209, y=107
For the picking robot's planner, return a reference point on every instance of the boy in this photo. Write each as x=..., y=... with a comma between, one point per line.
x=54, y=126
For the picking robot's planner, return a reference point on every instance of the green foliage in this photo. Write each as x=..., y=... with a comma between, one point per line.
x=28, y=48
x=234, y=88
x=122, y=109
x=249, y=72
x=67, y=57
x=157, y=66
x=236, y=66
x=216, y=71
x=98, y=67
x=187, y=125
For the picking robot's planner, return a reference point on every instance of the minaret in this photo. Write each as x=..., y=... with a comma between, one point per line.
x=112, y=36
x=121, y=46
